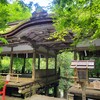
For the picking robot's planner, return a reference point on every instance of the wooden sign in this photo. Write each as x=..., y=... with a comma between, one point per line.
x=81, y=64
x=82, y=67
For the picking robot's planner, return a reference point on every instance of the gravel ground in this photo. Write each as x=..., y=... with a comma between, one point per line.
x=34, y=97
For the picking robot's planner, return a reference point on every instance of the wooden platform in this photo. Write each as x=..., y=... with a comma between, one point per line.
x=23, y=84
x=90, y=92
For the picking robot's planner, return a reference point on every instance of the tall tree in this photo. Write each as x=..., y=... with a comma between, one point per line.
x=82, y=17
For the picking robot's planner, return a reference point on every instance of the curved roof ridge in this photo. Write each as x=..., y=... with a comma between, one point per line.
x=27, y=24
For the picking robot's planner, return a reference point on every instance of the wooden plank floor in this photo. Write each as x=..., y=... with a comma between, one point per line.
x=21, y=81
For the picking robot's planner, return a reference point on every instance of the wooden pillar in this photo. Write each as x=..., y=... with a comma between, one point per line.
x=83, y=86
x=39, y=62
x=11, y=60
x=75, y=55
x=47, y=88
x=34, y=64
x=47, y=91
x=23, y=67
x=56, y=65
x=81, y=56
x=55, y=91
x=65, y=93
x=75, y=69
x=47, y=63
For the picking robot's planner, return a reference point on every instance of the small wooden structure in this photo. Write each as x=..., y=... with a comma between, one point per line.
x=81, y=69
x=81, y=72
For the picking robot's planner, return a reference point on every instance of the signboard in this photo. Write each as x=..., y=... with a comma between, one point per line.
x=89, y=64
x=82, y=67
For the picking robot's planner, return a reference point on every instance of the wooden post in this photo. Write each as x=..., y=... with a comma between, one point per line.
x=39, y=62
x=87, y=79
x=55, y=91
x=34, y=62
x=56, y=65
x=75, y=55
x=75, y=69
x=83, y=86
x=81, y=56
x=65, y=93
x=47, y=64
x=23, y=67
x=11, y=60
x=47, y=89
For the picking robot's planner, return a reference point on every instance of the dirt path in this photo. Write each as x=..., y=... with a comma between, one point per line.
x=34, y=97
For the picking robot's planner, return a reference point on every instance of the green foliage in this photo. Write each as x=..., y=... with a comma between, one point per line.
x=18, y=12
x=17, y=64
x=64, y=61
x=51, y=62
x=4, y=17
x=1, y=83
x=96, y=71
x=5, y=62
x=29, y=64
x=12, y=12
x=82, y=17
x=42, y=63
x=3, y=40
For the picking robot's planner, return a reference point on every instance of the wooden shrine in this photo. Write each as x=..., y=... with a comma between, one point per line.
x=29, y=39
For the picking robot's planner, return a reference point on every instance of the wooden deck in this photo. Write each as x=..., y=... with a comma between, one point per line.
x=24, y=85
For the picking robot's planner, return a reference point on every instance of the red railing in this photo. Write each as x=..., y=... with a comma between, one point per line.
x=3, y=92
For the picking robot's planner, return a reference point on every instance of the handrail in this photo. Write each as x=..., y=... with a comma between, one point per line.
x=4, y=91
x=11, y=74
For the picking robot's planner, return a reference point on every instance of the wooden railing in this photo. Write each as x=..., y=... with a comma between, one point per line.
x=11, y=76
x=41, y=74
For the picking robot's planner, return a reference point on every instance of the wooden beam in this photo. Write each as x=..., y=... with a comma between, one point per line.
x=55, y=47
x=11, y=60
x=54, y=42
